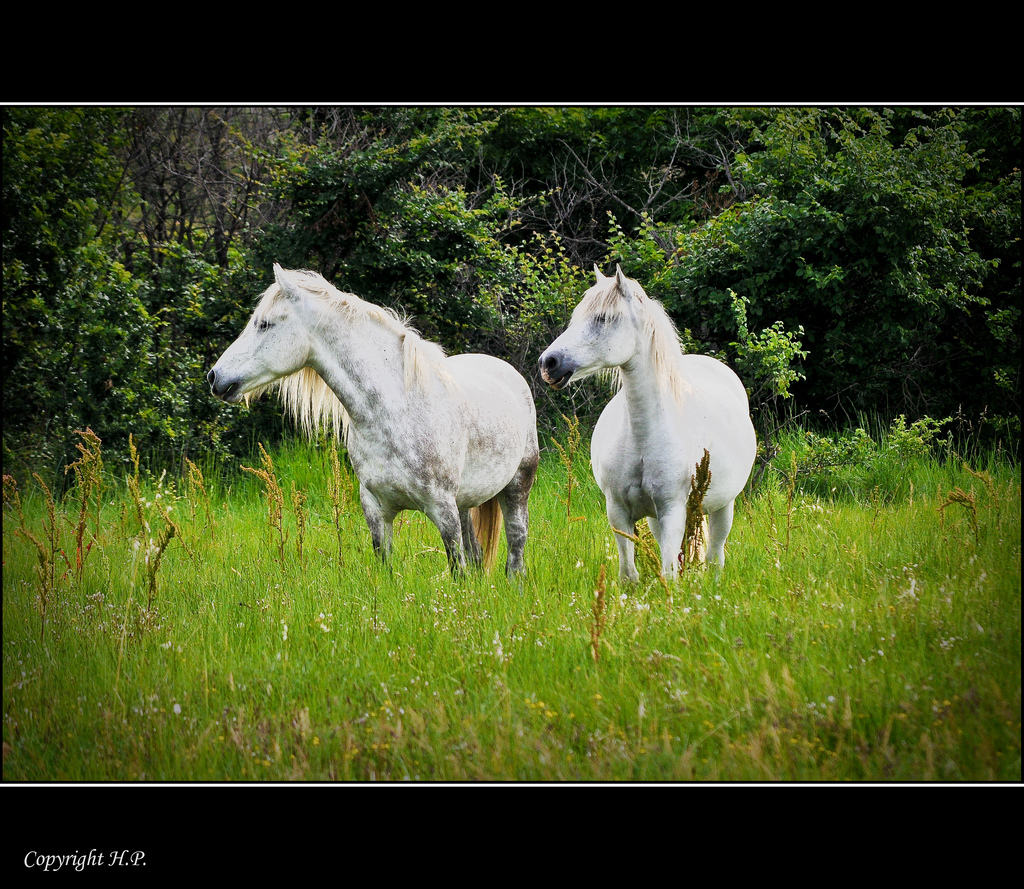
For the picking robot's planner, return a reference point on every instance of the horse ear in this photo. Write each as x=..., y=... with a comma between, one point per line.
x=282, y=279
x=622, y=282
x=597, y=274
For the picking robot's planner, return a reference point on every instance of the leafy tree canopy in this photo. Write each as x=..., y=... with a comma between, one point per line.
x=844, y=260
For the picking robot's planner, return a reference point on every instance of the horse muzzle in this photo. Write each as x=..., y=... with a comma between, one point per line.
x=556, y=369
x=226, y=390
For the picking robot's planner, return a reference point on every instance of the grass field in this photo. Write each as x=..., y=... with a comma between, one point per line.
x=235, y=626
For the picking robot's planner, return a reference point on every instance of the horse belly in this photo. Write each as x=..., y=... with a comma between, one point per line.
x=401, y=474
x=718, y=419
x=494, y=451
x=500, y=425
x=731, y=452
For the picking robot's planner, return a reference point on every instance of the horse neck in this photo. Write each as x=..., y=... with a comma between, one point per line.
x=362, y=363
x=649, y=399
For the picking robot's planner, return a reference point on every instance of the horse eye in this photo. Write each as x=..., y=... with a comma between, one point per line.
x=262, y=324
x=600, y=319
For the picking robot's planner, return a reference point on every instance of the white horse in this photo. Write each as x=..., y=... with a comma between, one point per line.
x=669, y=409
x=452, y=437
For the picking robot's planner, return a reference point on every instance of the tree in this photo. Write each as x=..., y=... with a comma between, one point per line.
x=74, y=328
x=857, y=227
x=857, y=260
x=382, y=207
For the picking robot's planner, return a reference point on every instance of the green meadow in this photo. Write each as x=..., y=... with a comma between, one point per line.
x=232, y=623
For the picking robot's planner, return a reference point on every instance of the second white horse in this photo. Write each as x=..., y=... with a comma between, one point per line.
x=669, y=409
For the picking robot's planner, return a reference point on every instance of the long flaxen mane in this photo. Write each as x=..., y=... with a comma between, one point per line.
x=304, y=394
x=660, y=332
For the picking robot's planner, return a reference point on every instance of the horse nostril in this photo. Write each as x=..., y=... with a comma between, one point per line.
x=211, y=377
x=548, y=362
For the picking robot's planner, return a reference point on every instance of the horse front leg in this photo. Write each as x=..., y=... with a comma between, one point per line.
x=719, y=526
x=380, y=523
x=668, y=530
x=621, y=520
x=445, y=515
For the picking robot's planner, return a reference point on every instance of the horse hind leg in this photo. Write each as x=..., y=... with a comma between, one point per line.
x=515, y=507
x=517, y=524
x=481, y=526
x=470, y=542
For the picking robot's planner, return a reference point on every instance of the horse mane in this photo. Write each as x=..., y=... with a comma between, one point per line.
x=304, y=394
x=665, y=345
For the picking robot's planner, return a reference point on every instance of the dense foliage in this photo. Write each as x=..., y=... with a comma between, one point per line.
x=846, y=262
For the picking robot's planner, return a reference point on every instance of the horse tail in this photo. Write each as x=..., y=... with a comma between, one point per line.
x=487, y=527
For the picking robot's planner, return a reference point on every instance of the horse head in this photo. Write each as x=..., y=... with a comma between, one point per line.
x=603, y=332
x=274, y=344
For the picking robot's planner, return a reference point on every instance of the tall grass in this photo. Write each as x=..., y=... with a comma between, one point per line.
x=866, y=627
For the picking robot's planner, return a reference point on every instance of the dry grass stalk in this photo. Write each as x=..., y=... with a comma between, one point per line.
x=598, y=613
x=135, y=488
x=88, y=470
x=647, y=548
x=197, y=487
x=154, y=554
x=694, y=539
x=568, y=455
x=772, y=544
x=152, y=550
x=967, y=500
x=298, y=506
x=46, y=551
x=339, y=488
x=985, y=479
x=275, y=497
